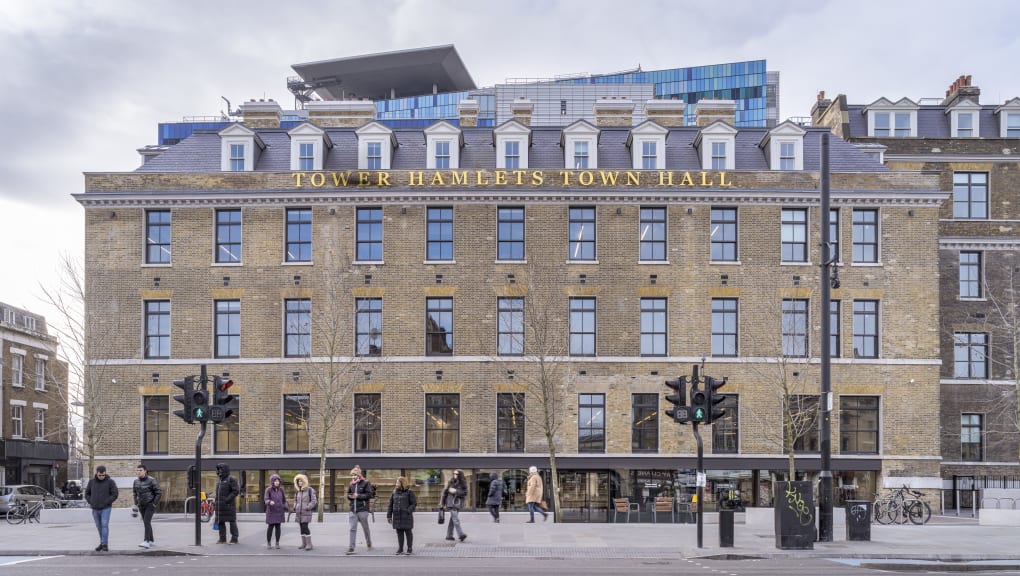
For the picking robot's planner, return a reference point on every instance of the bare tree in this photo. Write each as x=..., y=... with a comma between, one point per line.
x=334, y=318
x=785, y=342
x=84, y=332
x=536, y=338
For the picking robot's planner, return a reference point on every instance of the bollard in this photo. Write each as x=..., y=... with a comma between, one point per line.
x=726, y=528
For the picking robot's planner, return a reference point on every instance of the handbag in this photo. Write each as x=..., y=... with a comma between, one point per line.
x=442, y=516
x=216, y=525
x=543, y=505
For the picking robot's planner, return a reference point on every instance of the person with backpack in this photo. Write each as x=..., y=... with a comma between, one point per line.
x=305, y=502
x=360, y=494
x=495, y=497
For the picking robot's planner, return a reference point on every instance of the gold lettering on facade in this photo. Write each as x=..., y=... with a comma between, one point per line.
x=537, y=178
x=566, y=177
x=480, y=178
x=687, y=181
x=384, y=179
x=704, y=181
x=416, y=178
x=317, y=179
x=665, y=178
x=585, y=178
x=363, y=178
x=341, y=178
x=633, y=178
x=437, y=179
x=519, y=175
x=459, y=178
x=297, y=179
x=500, y=178
x=608, y=178
x=722, y=181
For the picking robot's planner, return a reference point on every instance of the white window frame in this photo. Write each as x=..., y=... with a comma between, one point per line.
x=580, y=131
x=40, y=423
x=786, y=133
x=40, y=371
x=512, y=131
x=238, y=134
x=442, y=132
x=10, y=315
x=18, y=418
x=375, y=133
x=884, y=106
x=714, y=133
x=1011, y=109
x=18, y=367
x=648, y=132
x=307, y=133
x=30, y=322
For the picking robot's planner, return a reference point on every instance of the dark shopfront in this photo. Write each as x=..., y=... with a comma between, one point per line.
x=587, y=491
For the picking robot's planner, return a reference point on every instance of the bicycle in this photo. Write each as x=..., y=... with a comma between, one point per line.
x=902, y=506
x=207, y=510
x=24, y=511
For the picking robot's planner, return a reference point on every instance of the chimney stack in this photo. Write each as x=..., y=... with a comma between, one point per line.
x=960, y=89
x=521, y=110
x=666, y=113
x=261, y=114
x=708, y=111
x=467, y=110
x=613, y=112
x=340, y=113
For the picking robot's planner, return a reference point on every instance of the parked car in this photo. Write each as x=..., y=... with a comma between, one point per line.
x=26, y=493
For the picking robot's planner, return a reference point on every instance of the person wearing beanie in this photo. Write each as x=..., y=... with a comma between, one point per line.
x=534, y=495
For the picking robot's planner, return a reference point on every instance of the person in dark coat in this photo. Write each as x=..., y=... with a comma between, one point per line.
x=227, y=491
x=101, y=493
x=147, y=495
x=305, y=502
x=495, y=498
x=400, y=514
x=454, y=496
x=360, y=494
x=276, y=509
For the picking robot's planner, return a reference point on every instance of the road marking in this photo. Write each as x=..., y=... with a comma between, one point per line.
x=12, y=560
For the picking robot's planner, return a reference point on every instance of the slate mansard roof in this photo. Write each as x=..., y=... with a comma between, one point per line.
x=201, y=151
x=932, y=121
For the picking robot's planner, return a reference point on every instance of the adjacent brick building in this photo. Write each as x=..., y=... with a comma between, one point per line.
x=975, y=150
x=654, y=246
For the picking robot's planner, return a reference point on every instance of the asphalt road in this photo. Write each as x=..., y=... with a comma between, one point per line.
x=314, y=566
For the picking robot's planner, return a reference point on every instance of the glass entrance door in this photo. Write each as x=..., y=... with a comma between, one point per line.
x=584, y=496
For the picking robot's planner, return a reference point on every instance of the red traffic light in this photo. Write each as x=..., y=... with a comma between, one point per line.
x=226, y=384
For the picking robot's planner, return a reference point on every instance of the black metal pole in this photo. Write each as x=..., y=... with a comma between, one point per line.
x=825, y=396
x=701, y=490
x=196, y=491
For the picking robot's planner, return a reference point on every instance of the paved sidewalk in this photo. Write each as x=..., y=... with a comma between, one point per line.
x=71, y=532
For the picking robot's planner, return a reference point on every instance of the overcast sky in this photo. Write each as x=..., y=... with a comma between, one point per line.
x=85, y=83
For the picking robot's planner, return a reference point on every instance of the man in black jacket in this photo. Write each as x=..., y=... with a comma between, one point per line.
x=227, y=491
x=147, y=496
x=101, y=493
x=360, y=494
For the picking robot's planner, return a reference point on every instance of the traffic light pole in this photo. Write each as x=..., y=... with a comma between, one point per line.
x=700, y=474
x=198, y=472
x=825, y=400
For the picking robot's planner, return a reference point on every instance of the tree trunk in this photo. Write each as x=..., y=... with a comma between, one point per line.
x=322, y=478
x=555, y=478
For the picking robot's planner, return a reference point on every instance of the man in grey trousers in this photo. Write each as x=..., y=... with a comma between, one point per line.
x=360, y=494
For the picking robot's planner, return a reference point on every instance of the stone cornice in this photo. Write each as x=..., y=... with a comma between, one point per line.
x=1010, y=244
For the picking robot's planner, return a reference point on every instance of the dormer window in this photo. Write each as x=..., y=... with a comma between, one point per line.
x=716, y=144
x=443, y=141
x=892, y=120
x=308, y=145
x=784, y=147
x=580, y=143
x=240, y=147
x=964, y=119
x=1009, y=119
x=647, y=142
x=512, y=141
x=375, y=146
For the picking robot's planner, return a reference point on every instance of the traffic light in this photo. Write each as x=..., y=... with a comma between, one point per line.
x=678, y=399
x=699, y=404
x=187, y=386
x=200, y=405
x=712, y=386
x=224, y=403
